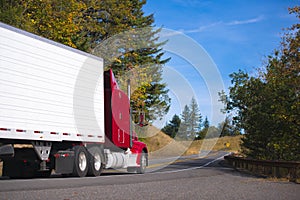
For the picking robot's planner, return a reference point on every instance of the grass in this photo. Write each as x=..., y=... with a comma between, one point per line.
x=227, y=143
x=161, y=145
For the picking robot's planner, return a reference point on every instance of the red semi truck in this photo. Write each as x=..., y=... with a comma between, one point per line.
x=59, y=110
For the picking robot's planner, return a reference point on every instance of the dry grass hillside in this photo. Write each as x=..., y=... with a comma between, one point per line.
x=161, y=145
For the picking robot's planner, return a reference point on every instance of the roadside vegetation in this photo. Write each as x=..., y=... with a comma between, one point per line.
x=267, y=105
x=191, y=126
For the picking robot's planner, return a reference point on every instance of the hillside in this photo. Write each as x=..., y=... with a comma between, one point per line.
x=161, y=145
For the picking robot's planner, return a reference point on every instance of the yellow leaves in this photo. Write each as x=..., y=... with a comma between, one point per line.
x=117, y=60
x=33, y=21
x=55, y=19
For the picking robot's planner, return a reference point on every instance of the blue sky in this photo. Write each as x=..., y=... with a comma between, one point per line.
x=236, y=34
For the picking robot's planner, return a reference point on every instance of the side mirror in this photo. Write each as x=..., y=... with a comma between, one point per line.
x=142, y=121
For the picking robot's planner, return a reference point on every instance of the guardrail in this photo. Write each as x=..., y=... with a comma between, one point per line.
x=276, y=169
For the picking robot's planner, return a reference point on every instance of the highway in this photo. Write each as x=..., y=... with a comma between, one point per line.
x=189, y=177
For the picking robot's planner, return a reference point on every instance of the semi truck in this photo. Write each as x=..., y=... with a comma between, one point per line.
x=61, y=112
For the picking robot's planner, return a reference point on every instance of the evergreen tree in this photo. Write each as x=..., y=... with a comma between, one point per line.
x=172, y=127
x=195, y=118
x=206, y=123
x=185, y=126
x=202, y=133
x=190, y=121
x=129, y=46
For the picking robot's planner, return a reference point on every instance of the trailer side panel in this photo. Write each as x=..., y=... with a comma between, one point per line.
x=48, y=91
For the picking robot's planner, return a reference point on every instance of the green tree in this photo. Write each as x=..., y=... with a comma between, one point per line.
x=195, y=118
x=202, y=133
x=11, y=12
x=206, y=123
x=227, y=128
x=190, y=121
x=129, y=46
x=172, y=127
x=185, y=126
x=52, y=19
x=267, y=106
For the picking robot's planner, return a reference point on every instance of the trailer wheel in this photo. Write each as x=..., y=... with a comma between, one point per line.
x=95, y=164
x=143, y=163
x=80, y=161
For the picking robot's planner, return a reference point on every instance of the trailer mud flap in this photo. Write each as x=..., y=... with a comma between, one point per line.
x=64, y=162
x=24, y=164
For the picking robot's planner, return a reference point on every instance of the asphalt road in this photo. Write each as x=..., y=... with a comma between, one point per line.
x=186, y=178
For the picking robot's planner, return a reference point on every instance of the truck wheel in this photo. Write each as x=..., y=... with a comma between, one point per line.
x=95, y=164
x=80, y=161
x=143, y=163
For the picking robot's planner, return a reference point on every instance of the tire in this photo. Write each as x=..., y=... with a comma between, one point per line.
x=80, y=161
x=95, y=164
x=143, y=163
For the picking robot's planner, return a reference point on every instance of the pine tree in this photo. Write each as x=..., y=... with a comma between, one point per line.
x=172, y=127
x=195, y=118
x=202, y=133
x=185, y=126
x=206, y=123
x=129, y=46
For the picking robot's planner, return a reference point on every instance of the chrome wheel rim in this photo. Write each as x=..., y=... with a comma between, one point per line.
x=82, y=161
x=97, y=161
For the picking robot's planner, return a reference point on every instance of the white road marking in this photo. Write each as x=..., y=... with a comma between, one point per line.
x=200, y=167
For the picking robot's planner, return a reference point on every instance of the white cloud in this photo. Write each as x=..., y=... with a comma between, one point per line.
x=192, y=3
x=201, y=28
x=221, y=23
x=248, y=21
